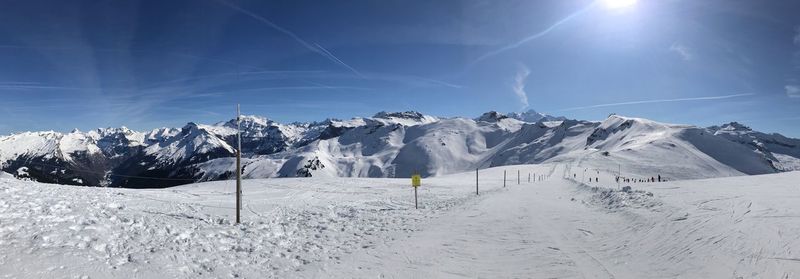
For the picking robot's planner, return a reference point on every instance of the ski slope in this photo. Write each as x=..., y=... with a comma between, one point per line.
x=745, y=226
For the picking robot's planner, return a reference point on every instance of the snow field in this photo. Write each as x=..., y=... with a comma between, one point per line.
x=739, y=227
x=51, y=230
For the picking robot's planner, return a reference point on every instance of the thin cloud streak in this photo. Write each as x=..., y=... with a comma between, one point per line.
x=287, y=74
x=323, y=87
x=40, y=87
x=128, y=51
x=660, y=101
x=534, y=36
x=315, y=48
x=682, y=50
x=796, y=38
x=332, y=57
x=792, y=90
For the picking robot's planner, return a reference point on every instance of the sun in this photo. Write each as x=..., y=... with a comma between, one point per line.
x=619, y=4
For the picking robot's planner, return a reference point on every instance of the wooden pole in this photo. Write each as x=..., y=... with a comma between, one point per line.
x=415, y=198
x=476, y=182
x=238, y=165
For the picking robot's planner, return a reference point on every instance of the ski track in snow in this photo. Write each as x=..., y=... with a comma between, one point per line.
x=739, y=227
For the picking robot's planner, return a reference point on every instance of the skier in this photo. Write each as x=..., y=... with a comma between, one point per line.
x=659, y=178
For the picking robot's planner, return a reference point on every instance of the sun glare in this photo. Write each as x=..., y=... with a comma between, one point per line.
x=618, y=4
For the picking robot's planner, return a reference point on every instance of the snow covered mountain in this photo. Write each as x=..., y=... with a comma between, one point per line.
x=72, y=158
x=782, y=151
x=532, y=116
x=391, y=144
x=445, y=146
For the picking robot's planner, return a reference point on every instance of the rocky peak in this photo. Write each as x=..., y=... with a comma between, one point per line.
x=491, y=116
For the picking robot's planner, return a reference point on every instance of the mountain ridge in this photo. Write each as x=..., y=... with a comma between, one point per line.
x=389, y=144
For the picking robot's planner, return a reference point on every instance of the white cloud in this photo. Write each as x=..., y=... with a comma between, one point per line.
x=660, y=101
x=314, y=48
x=519, y=84
x=681, y=50
x=792, y=90
x=797, y=35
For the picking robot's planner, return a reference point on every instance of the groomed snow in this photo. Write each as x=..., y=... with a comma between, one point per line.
x=322, y=227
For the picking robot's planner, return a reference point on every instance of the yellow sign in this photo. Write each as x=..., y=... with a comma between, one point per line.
x=416, y=180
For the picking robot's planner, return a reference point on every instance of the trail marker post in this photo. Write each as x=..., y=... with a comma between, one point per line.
x=416, y=181
x=518, y=177
x=504, y=178
x=476, y=182
x=238, y=164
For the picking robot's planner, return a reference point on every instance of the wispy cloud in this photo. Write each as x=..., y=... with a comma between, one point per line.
x=333, y=58
x=682, y=50
x=285, y=88
x=225, y=77
x=659, y=101
x=797, y=35
x=312, y=47
x=309, y=77
x=518, y=86
x=534, y=36
x=792, y=87
x=792, y=90
x=4, y=87
x=414, y=81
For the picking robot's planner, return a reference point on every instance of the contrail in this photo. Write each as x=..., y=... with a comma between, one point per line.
x=660, y=101
x=439, y=82
x=315, y=48
x=330, y=56
x=534, y=36
x=40, y=87
x=227, y=74
x=272, y=88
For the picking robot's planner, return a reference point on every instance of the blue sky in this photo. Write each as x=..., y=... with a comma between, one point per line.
x=147, y=64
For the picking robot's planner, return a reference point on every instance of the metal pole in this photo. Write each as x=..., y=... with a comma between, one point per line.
x=504, y=178
x=529, y=177
x=518, y=177
x=476, y=182
x=238, y=165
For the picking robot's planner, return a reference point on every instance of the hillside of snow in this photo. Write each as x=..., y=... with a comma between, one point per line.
x=390, y=144
x=552, y=226
x=640, y=146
